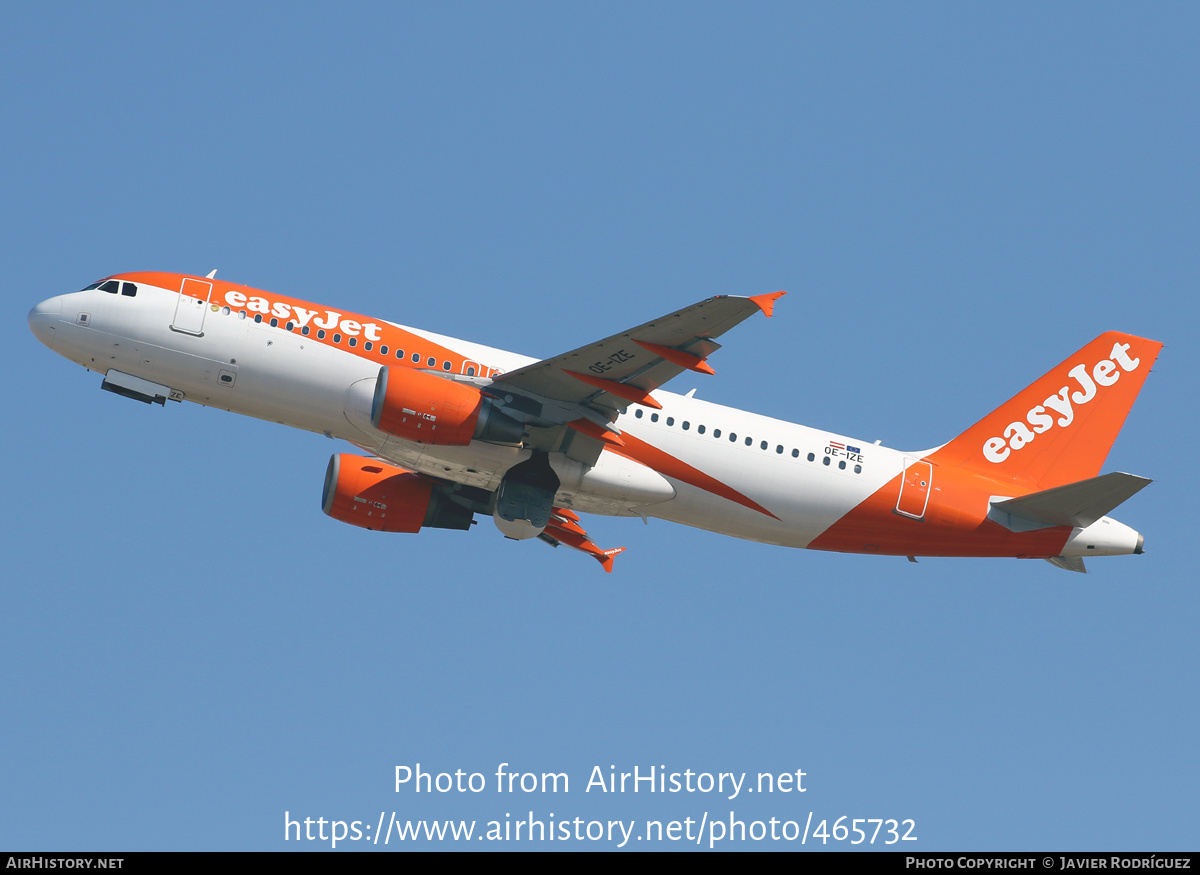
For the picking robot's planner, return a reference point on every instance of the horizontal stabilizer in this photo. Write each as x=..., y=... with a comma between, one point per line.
x=1070, y=563
x=1076, y=504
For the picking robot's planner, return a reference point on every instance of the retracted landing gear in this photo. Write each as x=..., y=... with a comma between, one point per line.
x=525, y=498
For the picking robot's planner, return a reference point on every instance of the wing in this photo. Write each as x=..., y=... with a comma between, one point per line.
x=564, y=529
x=583, y=390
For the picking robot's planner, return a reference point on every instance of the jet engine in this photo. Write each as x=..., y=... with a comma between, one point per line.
x=417, y=406
x=372, y=494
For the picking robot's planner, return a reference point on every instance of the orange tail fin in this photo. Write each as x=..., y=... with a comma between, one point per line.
x=1059, y=429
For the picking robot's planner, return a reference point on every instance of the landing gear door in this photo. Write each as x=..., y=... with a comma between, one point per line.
x=914, y=489
x=193, y=302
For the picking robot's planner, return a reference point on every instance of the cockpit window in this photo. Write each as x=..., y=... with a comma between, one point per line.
x=114, y=287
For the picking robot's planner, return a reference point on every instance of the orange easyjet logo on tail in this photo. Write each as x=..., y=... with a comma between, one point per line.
x=1040, y=420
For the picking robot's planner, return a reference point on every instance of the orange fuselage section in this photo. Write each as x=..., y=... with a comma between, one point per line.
x=954, y=522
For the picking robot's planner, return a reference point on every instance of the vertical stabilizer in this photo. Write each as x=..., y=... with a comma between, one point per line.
x=1059, y=429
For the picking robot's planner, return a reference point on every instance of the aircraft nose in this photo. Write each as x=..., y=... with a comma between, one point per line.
x=43, y=316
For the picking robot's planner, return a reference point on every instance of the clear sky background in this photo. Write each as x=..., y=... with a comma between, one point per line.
x=956, y=197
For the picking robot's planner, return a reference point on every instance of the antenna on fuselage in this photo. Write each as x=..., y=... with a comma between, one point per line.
x=212, y=273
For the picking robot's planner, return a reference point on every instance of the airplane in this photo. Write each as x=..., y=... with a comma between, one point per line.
x=448, y=429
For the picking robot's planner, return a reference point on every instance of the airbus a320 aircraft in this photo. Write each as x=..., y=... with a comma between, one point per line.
x=451, y=429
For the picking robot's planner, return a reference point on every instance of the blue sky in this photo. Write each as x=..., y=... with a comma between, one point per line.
x=956, y=197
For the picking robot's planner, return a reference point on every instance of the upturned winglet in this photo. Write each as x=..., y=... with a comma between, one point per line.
x=766, y=303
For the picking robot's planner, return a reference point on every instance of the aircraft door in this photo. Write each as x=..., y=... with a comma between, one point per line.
x=914, y=489
x=193, y=302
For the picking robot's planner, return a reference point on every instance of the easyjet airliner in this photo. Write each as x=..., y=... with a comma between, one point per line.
x=450, y=429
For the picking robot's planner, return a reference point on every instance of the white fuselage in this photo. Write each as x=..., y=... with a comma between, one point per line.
x=288, y=378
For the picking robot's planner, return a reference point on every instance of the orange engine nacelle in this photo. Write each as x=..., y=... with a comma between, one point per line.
x=372, y=494
x=427, y=409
